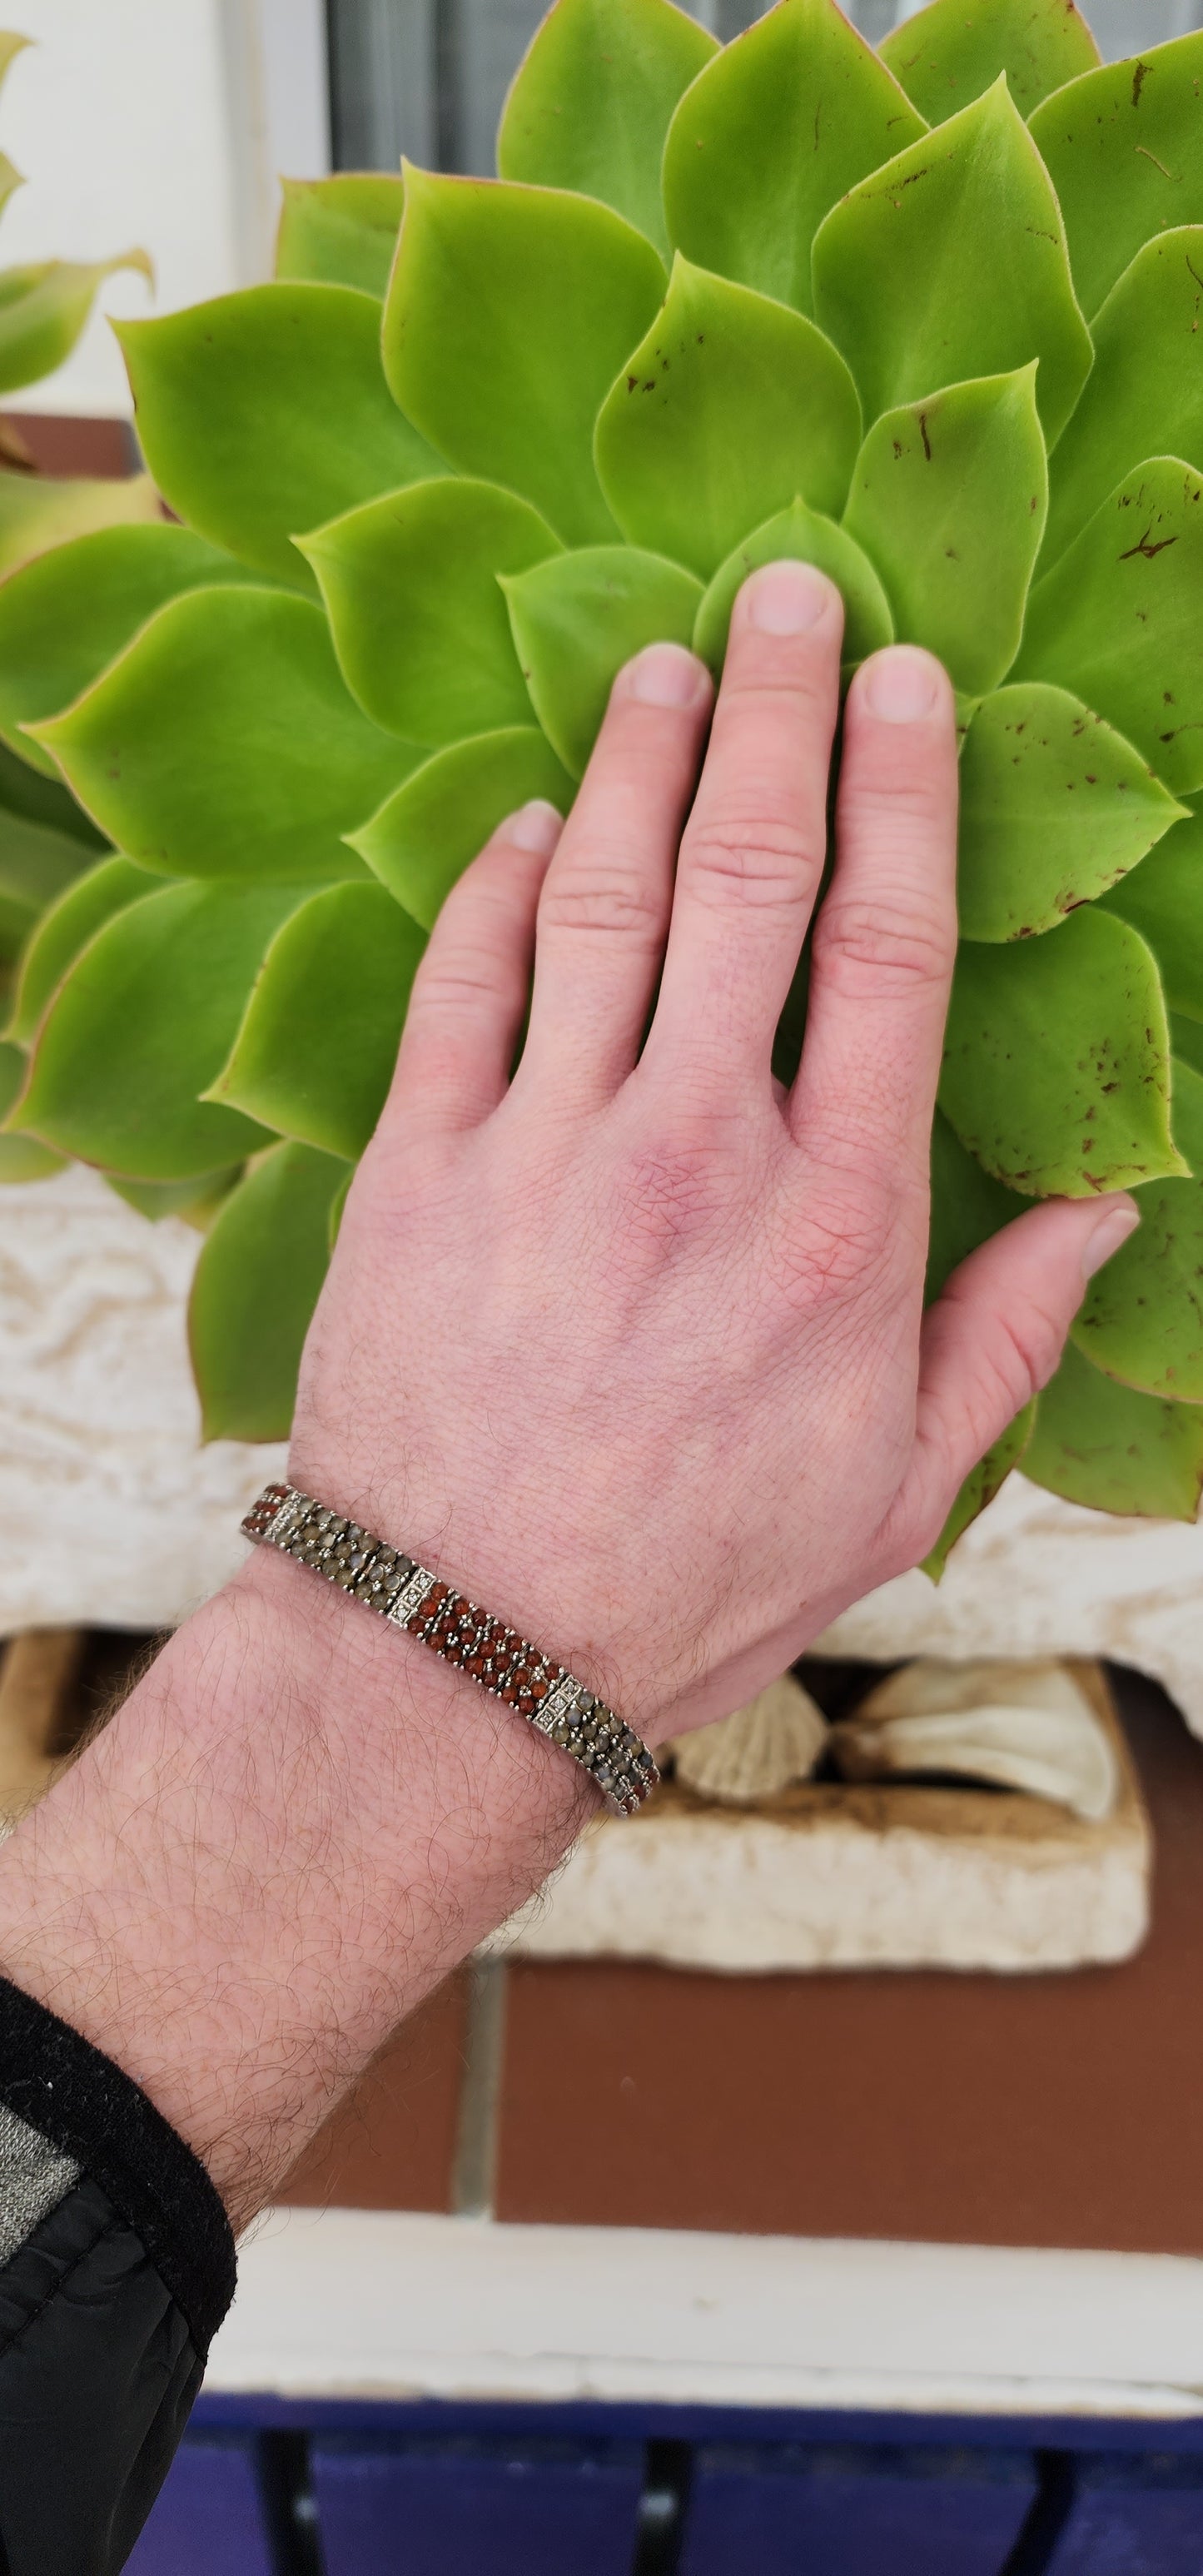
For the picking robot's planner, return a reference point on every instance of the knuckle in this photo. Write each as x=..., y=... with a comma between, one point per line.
x=600, y=893
x=892, y=945
x=757, y=857
x=669, y=1184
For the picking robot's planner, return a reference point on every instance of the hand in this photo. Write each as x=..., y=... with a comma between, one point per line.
x=630, y=1346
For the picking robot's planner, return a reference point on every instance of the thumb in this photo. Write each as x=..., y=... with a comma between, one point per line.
x=995, y=1335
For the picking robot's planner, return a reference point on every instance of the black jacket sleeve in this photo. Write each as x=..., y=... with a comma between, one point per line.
x=116, y=2268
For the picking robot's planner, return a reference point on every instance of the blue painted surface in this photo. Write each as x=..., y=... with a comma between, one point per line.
x=1141, y=2517
x=855, y=2512
x=208, y=2520
x=464, y=2508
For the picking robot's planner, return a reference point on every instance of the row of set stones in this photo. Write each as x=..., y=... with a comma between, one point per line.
x=495, y=1656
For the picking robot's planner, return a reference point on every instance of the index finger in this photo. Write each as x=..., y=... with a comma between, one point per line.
x=885, y=938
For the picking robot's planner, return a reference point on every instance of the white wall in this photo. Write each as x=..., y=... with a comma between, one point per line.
x=160, y=122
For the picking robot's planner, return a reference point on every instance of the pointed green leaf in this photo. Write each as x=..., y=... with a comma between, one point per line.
x=1056, y=1060
x=196, y=1200
x=141, y=1025
x=967, y=1206
x=28, y=791
x=266, y=412
x=1124, y=148
x=22, y=1158
x=223, y=742
x=36, y=865
x=948, y=499
x=954, y=49
x=1120, y=618
x=1103, y=1445
x=732, y=407
x=10, y=46
x=578, y=618
x=771, y=134
x=1055, y=807
x=64, y=617
x=341, y=231
x=950, y=263
x=1186, y=1040
x=256, y=1285
x=42, y=510
x=419, y=624
x=509, y=314
x=1145, y=395
x=1163, y=900
x=806, y=537
x=431, y=830
x=980, y=1487
x=65, y=929
x=43, y=309
x=591, y=102
x=315, y=1053
x=1142, y=1319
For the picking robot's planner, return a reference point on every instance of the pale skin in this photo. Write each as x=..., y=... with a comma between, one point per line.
x=628, y=1344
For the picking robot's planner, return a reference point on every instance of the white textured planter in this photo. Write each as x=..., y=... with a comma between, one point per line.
x=113, y=1514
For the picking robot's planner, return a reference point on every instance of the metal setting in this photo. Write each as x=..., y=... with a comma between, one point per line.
x=502, y=1662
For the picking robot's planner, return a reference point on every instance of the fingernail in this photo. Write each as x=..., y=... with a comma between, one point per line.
x=664, y=675
x=1121, y=1220
x=901, y=684
x=536, y=826
x=786, y=598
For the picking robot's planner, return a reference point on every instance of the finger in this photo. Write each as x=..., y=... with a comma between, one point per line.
x=606, y=901
x=885, y=938
x=996, y=1335
x=470, y=991
x=752, y=855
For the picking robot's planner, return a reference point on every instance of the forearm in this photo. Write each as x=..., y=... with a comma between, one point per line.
x=297, y=1824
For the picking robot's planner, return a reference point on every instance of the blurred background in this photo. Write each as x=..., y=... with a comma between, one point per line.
x=169, y=126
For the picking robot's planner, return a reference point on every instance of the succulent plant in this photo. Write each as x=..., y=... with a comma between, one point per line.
x=930, y=318
x=46, y=840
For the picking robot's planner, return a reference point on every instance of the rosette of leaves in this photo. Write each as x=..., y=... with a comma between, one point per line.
x=46, y=840
x=930, y=318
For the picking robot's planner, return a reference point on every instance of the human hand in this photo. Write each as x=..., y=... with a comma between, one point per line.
x=631, y=1347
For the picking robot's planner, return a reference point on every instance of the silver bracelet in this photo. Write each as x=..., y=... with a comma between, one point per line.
x=410, y=1597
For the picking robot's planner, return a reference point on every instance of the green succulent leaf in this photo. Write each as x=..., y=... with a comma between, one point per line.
x=950, y=263
x=1115, y=1450
x=29, y=792
x=950, y=52
x=195, y=1201
x=315, y=1053
x=590, y=105
x=43, y=309
x=265, y=413
x=36, y=865
x=65, y=616
x=424, y=837
x=1056, y=1060
x=1142, y=1319
x=1055, y=807
x=1120, y=618
x=806, y=537
x=1124, y=148
x=967, y=1206
x=22, y=1158
x=341, y=231
x=1145, y=395
x=223, y=742
x=948, y=500
x=410, y=584
x=1163, y=900
x=980, y=1487
x=732, y=407
x=64, y=929
x=10, y=46
x=40, y=510
x=1186, y=1040
x=257, y=1282
x=141, y=1025
x=577, y=618
x=771, y=134
x=509, y=314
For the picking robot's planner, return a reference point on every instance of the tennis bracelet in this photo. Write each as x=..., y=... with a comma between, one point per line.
x=410, y=1597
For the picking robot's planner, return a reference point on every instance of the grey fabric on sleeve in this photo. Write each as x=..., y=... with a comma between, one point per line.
x=34, y=2177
